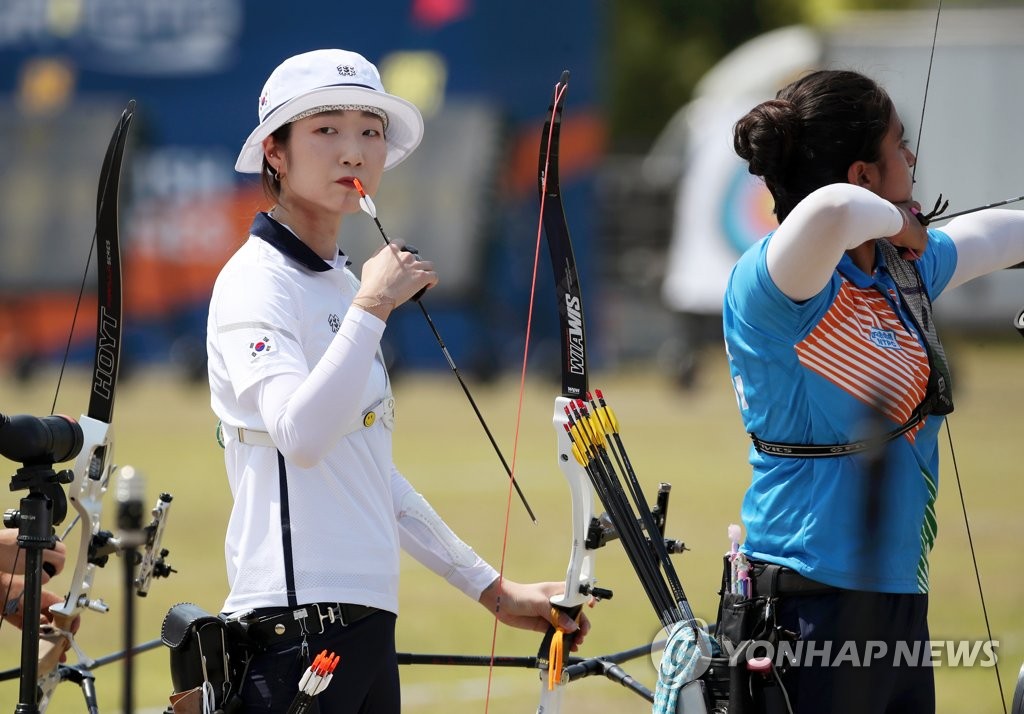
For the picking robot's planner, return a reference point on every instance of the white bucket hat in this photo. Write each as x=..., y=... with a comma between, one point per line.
x=329, y=78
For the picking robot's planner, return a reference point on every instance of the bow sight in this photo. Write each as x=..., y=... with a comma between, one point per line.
x=38, y=442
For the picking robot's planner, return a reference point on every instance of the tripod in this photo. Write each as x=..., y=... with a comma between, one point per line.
x=44, y=507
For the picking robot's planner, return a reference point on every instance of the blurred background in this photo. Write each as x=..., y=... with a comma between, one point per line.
x=659, y=209
x=658, y=205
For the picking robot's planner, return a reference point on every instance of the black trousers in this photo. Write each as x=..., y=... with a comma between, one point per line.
x=365, y=681
x=859, y=653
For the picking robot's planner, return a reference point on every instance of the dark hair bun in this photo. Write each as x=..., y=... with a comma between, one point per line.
x=767, y=137
x=811, y=133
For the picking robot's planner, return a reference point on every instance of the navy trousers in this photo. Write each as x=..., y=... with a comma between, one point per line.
x=365, y=681
x=861, y=653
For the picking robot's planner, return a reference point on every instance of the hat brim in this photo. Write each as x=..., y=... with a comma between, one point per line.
x=404, y=132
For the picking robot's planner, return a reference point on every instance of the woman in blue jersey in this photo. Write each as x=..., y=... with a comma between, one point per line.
x=842, y=385
x=299, y=384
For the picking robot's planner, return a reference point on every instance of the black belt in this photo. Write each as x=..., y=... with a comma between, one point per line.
x=275, y=625
x=771, y=580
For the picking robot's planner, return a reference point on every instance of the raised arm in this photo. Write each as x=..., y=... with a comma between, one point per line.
x=804, y=251
x=986, y=241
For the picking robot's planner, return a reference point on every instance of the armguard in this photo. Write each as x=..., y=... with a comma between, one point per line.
x=428, y=538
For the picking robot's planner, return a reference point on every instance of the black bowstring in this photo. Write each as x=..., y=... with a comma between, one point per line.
x=939, y=208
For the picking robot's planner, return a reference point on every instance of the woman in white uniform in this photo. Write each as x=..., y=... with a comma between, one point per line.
x=320, y=509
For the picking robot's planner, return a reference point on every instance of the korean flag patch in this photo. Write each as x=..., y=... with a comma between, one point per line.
x=259, y=348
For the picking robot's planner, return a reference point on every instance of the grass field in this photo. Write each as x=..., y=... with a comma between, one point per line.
x=693, y=440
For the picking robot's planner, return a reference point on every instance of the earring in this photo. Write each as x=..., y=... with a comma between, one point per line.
x=277, y=175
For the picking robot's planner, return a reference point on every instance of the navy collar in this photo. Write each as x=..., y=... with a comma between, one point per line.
x=266, y=228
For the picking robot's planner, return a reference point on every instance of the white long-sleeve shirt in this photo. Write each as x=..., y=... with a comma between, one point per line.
x=804, y=251
x=290, y=356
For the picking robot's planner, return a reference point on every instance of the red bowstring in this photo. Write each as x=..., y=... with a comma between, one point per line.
x=559, y=92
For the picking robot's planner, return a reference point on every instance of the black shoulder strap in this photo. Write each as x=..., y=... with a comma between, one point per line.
x=286, y=532
x=913, y=294
x=810, y=451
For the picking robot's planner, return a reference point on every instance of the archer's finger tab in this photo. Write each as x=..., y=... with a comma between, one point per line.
x=937, y=210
